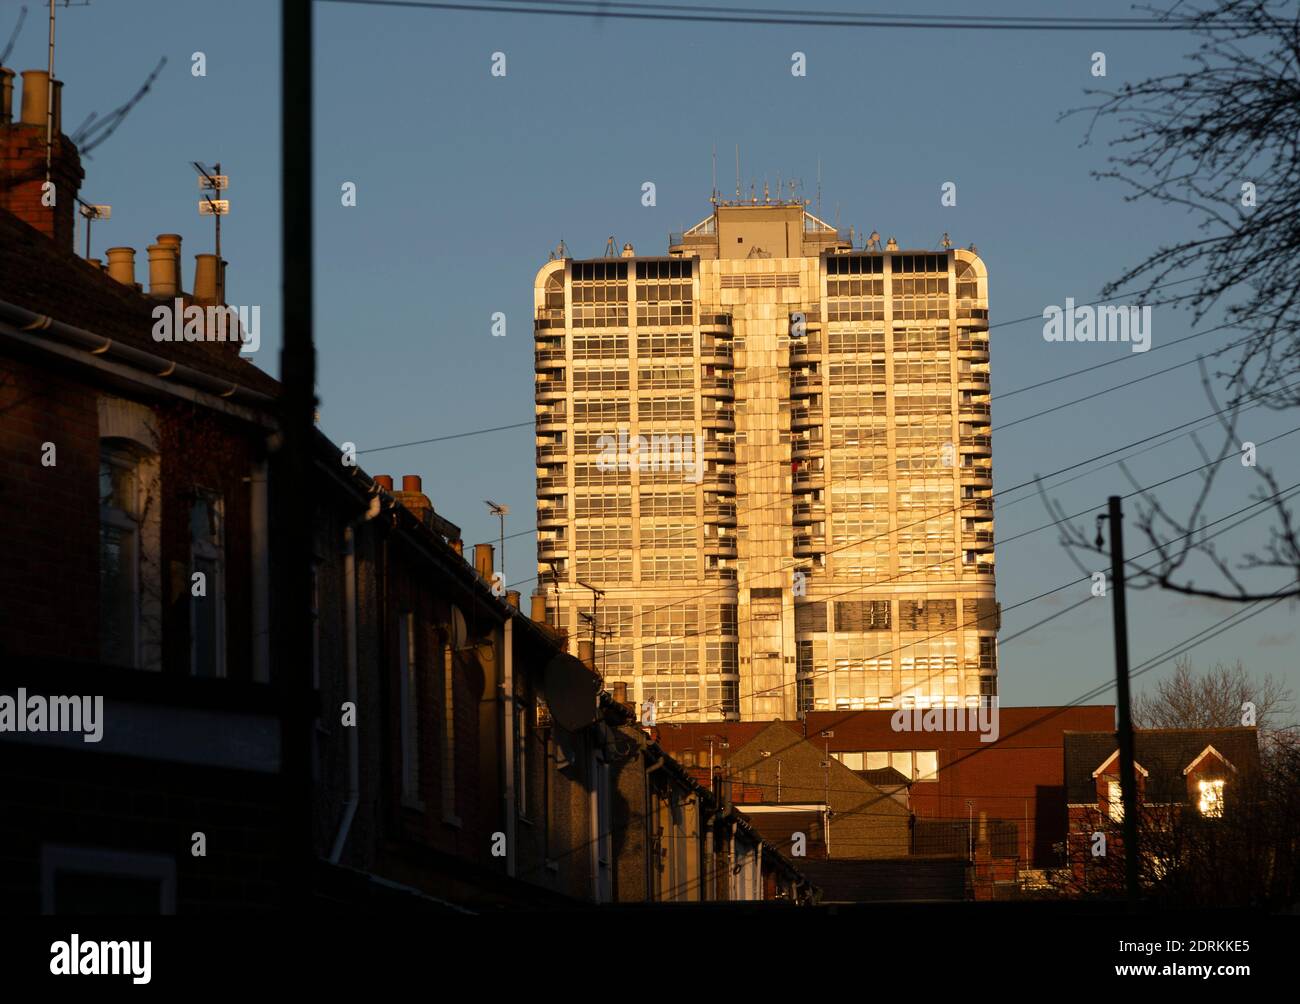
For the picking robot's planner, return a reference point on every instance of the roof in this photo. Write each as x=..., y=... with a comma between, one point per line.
x=39, y=276
x=1162, y=753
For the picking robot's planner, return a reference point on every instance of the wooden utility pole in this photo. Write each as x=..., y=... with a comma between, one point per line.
x=1127, y=774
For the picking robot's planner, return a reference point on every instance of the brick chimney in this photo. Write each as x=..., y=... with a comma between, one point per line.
x=22, y=162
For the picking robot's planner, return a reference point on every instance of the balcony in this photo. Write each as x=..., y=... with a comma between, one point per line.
x=977, y=540
x=723, y=419
x=552, y=453
x=977, y=507
x=548, y=359
x=718, y=386
x=976, y=440
x=973, y=407
x=550, y=388
x=719, y=449
x=806, y=481
x=805, y=350
x=723, y=573
x=715, y=351
x=716, y=323
x=553, y=484
x=720, y=482
x=720, y=513
x=976, y=377
x=552, y=419
x=979, y=476
x=805, y=417
x=809, y=512
x=548, y=550
x=807, y=449
x=549, y=317
x=550, y=517
x=972, y=347
x=720, y=547
x=805, y=384
x=808, y=546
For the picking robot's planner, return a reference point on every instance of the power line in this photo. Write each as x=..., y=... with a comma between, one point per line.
x=757, y=16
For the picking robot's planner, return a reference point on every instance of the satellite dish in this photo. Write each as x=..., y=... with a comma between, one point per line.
x=459, y=632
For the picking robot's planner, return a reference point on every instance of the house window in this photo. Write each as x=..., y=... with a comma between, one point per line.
x=409, y=701
x=207, y=594
x=448, y=737
x=1211, y=801
x=119, y=555
x=521, y=757
x=91, y=880
x=1115, y=801
x=927, y=766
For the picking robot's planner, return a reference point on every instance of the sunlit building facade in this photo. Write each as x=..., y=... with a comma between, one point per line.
x=764, y=464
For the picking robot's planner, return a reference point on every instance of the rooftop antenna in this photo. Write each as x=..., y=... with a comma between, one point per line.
x=819, y=188
x=596, y=594
x=737, y=172
x=501, y=512
x=713, y=198
x=609, y=248
x=214, y=181
x=90, y=212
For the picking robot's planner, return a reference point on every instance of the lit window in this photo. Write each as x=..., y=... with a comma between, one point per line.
x=1211, y=803
x=853, y=761
x=927, y=766
x=1115, y=801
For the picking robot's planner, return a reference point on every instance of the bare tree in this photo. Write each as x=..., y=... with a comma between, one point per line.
x=1214, y=699
x=1218, y=141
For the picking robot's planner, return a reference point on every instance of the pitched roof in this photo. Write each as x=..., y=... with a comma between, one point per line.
x=1163, y=753
x=37, y=275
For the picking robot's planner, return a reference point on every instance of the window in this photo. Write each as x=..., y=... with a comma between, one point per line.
x=927, y=766
x=89, y=880
x=1211, y=801
x=449, y=736
x=1115, y=801
x=207, y=594
x=408, y=669
x=522, y=759
x=119, y=555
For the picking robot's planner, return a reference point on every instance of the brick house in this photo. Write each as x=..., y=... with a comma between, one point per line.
x=460, y=758
x=1184, y=777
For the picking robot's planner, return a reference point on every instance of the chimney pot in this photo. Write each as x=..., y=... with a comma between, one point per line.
x=6, y=95
x=458, y=546
x=620, y=692
x=538, y=612
x=162, y=270
x=36, y=97
x=96, y=263
x=205, y=279
x=121, y=265
x=512, y=597
x=384, y=481
x=483, y=560
x=411, y=483
x=587, y=653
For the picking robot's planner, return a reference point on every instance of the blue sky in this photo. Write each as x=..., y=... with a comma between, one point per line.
x=465, y=181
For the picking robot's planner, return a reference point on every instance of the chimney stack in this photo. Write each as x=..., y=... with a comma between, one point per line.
x=483, y=561
x=121, y=265
x=6, y=95
x=23, y=190
x=587, y=653
x=620, y=692
x=205, y=279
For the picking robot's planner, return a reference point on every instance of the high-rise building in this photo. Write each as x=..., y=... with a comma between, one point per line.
x=764, y=463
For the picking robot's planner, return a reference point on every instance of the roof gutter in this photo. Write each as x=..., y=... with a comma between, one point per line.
x=29, y=323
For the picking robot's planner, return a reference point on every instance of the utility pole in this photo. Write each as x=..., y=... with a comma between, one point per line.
x=1127, y=775
x=294, y=508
